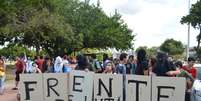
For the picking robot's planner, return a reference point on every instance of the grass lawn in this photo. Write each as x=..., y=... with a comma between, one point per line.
x=10, y=75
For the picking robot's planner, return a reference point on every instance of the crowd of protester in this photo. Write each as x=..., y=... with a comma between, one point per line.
x=161, y=65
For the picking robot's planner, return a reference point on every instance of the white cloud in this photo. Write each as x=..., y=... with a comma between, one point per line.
x=153, y=20
x=156, y=1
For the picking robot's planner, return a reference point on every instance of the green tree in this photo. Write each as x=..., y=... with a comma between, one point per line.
x=99, y=30
x=172, y=47
x=13, y=50
x=38, y=23
x=61, y=26
x=194, y=19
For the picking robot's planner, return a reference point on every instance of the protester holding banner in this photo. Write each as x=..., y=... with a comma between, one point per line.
x=66, y=68
x=29, y=66
x=142, y=62
x=109, y=69
x=35, y=68
x=131, y=66
x=49, y=65
x=164, y=67
x=189, y=81
x=151, y=65
x=2, y=75
x=189, y=68
x=20, y=68
x=58, y=65
x=40, y=61
x=82, y=63
x=121, y=67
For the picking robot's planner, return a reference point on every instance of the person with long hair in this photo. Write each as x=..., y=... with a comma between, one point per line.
x=82, y=63
x=152, y=64
x=2, y=75
x=142, y=62
x=164, y=67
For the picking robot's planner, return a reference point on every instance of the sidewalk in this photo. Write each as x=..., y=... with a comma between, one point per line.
x=9, y=94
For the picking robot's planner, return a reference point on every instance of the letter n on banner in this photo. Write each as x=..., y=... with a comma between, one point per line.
x=31, y=87
x=168, y=89
x=138, y=88
x=108, y=87
x=80, y=86
x=55, y=86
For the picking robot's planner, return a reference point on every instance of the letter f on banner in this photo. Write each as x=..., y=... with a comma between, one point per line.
x=28, y=89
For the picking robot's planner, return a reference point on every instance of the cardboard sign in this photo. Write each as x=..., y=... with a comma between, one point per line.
x=55, y=87
x=80, y=86
x=168, y=89
x=108, y=87
x=87, y=86
x=31, y=87
x=138, y=88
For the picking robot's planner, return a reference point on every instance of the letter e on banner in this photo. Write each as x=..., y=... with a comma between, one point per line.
x=168, y=89
x=80, y=86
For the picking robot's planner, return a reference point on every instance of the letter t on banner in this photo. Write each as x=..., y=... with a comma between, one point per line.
x=138, y=88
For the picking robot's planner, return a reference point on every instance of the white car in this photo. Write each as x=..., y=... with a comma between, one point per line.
x=198, y=67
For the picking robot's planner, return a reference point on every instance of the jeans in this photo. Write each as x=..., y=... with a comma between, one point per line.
x=2, y=80
x=196, y=95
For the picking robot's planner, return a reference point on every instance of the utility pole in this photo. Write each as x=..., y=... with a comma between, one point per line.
x=188, y=39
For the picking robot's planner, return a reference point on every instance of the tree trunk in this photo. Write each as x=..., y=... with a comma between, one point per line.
x=198, y=46
x=37, y=50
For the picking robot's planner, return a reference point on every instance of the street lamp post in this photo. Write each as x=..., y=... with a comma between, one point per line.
x=188, y=39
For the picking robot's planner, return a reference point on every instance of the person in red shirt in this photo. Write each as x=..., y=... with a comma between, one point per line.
x=189, y=68
x=40, y=61
x=20, y=67
x=192, y=72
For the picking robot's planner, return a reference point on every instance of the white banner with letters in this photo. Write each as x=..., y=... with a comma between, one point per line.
x=87, y=86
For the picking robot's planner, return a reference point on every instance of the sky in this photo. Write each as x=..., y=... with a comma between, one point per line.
x=153, y=21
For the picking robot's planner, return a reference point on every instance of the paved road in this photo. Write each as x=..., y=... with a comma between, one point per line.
x=9, y=94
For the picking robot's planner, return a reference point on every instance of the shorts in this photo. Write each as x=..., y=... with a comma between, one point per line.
x=17, y=76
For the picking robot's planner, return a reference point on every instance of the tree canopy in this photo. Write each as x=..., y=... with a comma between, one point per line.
x=194, y=19
x=172, y=47
x=62, y=26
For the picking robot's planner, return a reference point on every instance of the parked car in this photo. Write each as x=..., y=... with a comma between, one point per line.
x=198, y=67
